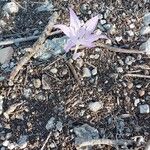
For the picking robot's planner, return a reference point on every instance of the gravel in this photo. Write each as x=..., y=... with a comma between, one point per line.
x=85, y=133
x=50, y=124
x=86, y=72
x=144, y=109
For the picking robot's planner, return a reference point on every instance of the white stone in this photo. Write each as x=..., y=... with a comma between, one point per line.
x=54, y=70
x=94, y=71
x=118, y=38
x=11, y=146
x=132, y=26
x=119, y=69
x=102, y=21
x=130, y=33
x=5, y=143
x=95, y=106
x=136, y=101
x=144, y=109
x=86, y=72
x=11, y=8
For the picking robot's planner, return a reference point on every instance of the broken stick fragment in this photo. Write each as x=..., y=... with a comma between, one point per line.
x=36, y=46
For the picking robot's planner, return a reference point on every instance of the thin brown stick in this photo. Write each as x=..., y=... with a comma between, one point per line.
x=36, y=46
x=137, y=75
x=25, y=39
x=42, y=148
x=73, y=72
x=113, y=143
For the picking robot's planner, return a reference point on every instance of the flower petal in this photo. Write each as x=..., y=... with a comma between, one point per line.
x=68, y=45
x=74, y=21
x=64, y=29
x=90, y=25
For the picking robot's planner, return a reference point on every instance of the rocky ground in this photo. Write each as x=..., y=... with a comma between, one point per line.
x=46, y=102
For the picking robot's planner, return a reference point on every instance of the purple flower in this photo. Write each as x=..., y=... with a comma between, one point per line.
x=79, y=34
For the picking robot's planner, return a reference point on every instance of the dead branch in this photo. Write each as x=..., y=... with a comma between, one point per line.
x=49, y=135
x=25, y=39
x=113, y=143
x=137, y=75
x=36, y=46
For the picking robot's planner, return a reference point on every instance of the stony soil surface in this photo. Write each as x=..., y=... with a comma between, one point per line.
x=46, y=100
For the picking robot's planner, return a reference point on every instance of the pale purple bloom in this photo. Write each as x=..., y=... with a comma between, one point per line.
x=79, y=34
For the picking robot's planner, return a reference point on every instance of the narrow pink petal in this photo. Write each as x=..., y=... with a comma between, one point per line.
x=74, y=21
x=64, y=29
x=68, y=45
x=91, y=24
x=76, y=55
x=86, y=43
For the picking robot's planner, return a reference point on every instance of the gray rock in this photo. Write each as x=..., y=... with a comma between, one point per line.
x=23, y=141
x=146, y=19
x=59, y=126
x=11, y=146
x=85, y=133
x=95, y=106
x=47, y=6
x=52, y=47
x=5, y=143
x=50, y=124
x=1, y=104
x=145, y=30
x=54, y=70
x=146, y=47
x=144, y=109
x=94, y=71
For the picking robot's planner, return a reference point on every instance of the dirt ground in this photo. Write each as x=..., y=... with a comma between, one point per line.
x=43, y=94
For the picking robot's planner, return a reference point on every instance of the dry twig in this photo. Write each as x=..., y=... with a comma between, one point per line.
x=137, y=75
x=113, y=143
x=46, y=141
x=36, y=47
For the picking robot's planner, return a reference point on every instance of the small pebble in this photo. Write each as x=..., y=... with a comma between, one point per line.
x=118, y=38
x=11, y=7
x=130, y=33
x=141, y=93
x=144, y=109
x=52, y=145
x=96, y=56
x=59, y=126
x=54, y=70
x=95, y=106
x=11, y=146
x=119, y=69
x=132, y=26
x=37, y=83
x=129, y=60
x=146, y=19
x=86, y=72
x=130, y=85
x=50, y=123
x=94, y=71
x=145, y=30
x=136, y=101
x=102, y=21
x=5, y=143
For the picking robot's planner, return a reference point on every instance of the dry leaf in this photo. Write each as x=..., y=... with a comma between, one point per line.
x=6, y=54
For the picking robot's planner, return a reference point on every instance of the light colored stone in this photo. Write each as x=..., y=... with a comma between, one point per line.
x=22, y=142
x=86, y=72
x=130, y=33
x=118, y=38
x=50, y=124
x=144, y=109
x=11, y=146
x=119, y=69
x=102, y=21
x=5, y=143
x=136, y=102
x=54, y=70
x=59, y=126
x=132, y=26
x=95, y=106
x=11, y=7
x=129, y=60
x=146, y=47
x=37, y=83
